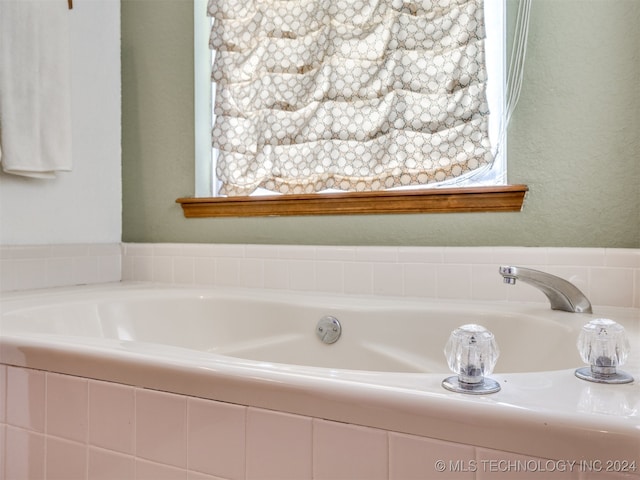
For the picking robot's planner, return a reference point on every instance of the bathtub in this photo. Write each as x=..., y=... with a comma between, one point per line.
x=259, y=348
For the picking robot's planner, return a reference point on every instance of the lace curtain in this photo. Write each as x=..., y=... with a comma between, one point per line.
x=354, y=95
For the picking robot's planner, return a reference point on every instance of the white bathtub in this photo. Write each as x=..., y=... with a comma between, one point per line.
x=259, y=348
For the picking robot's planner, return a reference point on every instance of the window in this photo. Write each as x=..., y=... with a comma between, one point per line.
x=206, y=184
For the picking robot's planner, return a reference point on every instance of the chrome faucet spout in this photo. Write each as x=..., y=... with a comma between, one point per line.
x=562, y=294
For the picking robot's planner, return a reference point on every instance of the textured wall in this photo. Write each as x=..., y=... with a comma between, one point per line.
x=574, y=140
x=84, y=205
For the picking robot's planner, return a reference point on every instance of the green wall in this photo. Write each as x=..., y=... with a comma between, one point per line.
x=574, y=139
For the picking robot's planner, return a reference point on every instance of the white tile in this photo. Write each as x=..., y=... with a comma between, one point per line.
x=612, y=286
x=216, y=438
x=169, y=249
x=7, y=283
x=105, y=249
x=143, y=268
x=583, y=257
x=2, y=450
x=349, y=452
x=595, y=472
x=65, y=460
x=191, y=475
x=330, y=277
x=106, y=465
x=138, y=249
x=297, y=252
x=417, y=458
x=24, y=274
x=487, y=284
x=183, y=270
x=358, y=278
x=454, y=281
x=109, y=268
x=376, y=254
x=227, y=272
x=85, y=270
x=161, y=434
x=302, y=275
x=251, y=272
x=421, y=254
x=337, y=253
x=204, y=271
x=163, y=269
x=276, y=274
x=468, y=255
x=71, y=250
x=335, y=271
x=156, y=471
x=533, y=257
x=622, y=257
x=60, y=271
x=420, y=280
x=197, y=250
x=3, y=392
x=28, y=251
x=5, y=252
x=67, y=407
x=127, y=268
x=388, y=279
x=112, y=416
x=228, y=250
x=26, y=398
x=279, y=446
x=24, y=454
x=261, y=251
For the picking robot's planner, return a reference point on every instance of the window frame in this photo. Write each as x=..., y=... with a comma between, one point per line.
x=431, y=199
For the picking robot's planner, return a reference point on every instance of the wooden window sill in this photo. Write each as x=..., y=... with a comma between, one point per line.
x=504, y=198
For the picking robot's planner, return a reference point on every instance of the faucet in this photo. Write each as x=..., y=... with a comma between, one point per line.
x=562, y=294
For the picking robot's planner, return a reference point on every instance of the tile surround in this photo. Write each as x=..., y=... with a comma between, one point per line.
x=278, y=445
x=161, y=430
x=108, y=465
x=216, y=444
x=46, y=266
x=609, y=277
x=111, y=414
x=187, y=438
x=67, y=404
x=410, y=456
x=349, y=451
x=57, y=426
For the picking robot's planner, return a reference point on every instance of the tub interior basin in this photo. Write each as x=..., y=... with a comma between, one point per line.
x=377, y=335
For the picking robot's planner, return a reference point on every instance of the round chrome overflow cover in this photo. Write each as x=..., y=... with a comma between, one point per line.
x=328, y=329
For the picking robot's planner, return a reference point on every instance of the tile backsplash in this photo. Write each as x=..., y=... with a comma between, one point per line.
x=44, y=266
x=607, y=276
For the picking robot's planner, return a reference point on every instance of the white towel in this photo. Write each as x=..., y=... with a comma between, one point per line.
x=35, y=87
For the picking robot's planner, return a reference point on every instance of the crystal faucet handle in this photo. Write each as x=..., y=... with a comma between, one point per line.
x=471, y=353
x=604, y=346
